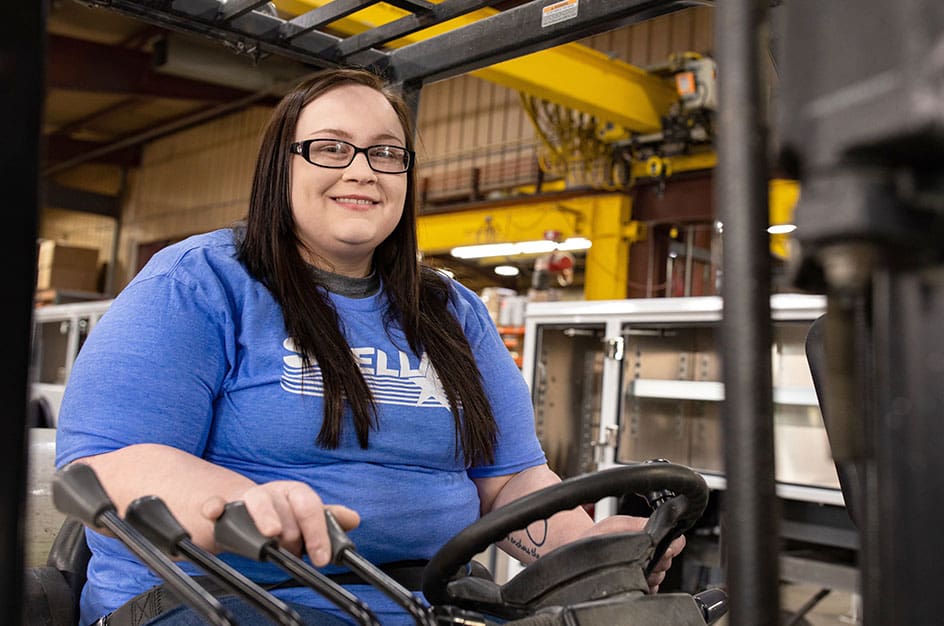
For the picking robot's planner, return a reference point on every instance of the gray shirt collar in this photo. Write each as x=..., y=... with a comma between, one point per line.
x=345, y=285
x=335, y=283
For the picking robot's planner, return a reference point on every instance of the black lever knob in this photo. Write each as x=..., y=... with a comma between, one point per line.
x=76, y=491
x=236, y=532
x=713, y=604
x=154, y=520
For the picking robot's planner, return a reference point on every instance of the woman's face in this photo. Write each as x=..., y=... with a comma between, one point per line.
x=342, y=215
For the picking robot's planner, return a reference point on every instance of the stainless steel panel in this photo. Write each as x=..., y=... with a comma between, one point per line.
x=653, y=429
x=567, y=395
x=707, y=453
x=659, y=353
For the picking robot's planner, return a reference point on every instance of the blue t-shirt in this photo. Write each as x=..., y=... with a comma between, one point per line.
x=193, y=354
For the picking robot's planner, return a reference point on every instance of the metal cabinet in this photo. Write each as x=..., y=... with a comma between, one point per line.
x=630, y=380
x=58, y=333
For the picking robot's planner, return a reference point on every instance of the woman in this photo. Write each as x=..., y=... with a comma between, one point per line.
x=306, y=359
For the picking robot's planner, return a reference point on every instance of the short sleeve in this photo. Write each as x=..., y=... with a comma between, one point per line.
x=149, y=371
x=517, y=447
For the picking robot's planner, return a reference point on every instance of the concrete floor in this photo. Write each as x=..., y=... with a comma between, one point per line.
x=835, y=609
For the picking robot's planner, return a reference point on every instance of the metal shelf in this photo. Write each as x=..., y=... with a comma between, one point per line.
x=712, y=391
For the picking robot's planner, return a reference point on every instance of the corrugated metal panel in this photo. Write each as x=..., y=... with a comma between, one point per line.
x=465, y=124
x=651, y=42
x=79, y=229
x=191, y=182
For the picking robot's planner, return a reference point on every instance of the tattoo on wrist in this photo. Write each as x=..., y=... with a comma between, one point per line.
x=529, y=550
x=542, y=532
x=536, y=539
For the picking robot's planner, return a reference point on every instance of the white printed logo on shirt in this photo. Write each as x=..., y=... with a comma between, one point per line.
x=389, y=382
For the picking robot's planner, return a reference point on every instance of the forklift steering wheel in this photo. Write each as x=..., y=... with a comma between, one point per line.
x=669, y=521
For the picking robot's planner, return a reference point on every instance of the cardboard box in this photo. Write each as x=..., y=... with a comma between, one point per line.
x=66, y=267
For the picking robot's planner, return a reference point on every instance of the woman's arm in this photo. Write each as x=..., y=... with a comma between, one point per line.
x=196, y=491
x=540, y=537
x=543, y=536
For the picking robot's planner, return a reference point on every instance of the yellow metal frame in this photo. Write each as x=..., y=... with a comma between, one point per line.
x=604, y=219
x=783, y=196
x=665, y=167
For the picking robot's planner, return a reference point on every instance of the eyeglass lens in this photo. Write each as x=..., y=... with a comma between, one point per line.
x=337, y=153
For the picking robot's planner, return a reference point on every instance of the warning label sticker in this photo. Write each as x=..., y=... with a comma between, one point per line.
x=559, y=12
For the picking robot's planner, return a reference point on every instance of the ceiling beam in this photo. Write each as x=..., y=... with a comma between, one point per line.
x=62, y=197
x=406, y=25
x=59, y=148
x=80, y=65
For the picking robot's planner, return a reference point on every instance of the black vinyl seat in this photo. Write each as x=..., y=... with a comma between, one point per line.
x=52, y=592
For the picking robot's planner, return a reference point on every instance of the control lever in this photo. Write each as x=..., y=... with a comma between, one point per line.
x=76, y=491
x=713, y=604
x=662, y=517
x=344, y=553
x=236, y=532
x=152, y=518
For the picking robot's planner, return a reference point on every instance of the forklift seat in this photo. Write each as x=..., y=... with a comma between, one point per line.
x=51, y=592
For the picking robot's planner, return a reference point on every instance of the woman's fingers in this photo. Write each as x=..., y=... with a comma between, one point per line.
x=671, y=552
x=654, y=580
x=213, y=508
x=308, y=513
x=658, y=572
x=292, y=513
x=347, y=518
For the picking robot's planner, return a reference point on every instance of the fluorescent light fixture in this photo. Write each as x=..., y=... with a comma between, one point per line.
x=538, y=246
x=781, y=229
x=507, y=270
x=541, y=246
x=575, y=243
x=484, y=250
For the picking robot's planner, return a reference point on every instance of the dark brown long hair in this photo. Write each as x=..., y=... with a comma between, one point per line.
x=418, y=296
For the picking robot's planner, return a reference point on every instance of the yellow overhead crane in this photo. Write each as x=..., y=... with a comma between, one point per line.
x=631, y=99
x=609, y=89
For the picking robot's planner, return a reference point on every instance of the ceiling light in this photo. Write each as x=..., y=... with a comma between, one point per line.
x=574, y=243
x=507, y=270
x=540, y=246
x=781, y=229
x=484, y=250
x=537, y=246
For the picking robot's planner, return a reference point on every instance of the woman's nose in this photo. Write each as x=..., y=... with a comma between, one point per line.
x=360, y=169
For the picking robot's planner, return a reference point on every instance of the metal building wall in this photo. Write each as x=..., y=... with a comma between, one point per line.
x=651, y=42
x=83, y=229
x=191, y=182
x=467, y=124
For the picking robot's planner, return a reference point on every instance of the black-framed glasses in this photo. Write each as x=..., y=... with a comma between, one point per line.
x=338, y=154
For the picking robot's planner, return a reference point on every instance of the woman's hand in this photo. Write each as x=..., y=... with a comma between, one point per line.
x=291, y=512
x=626, y=523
